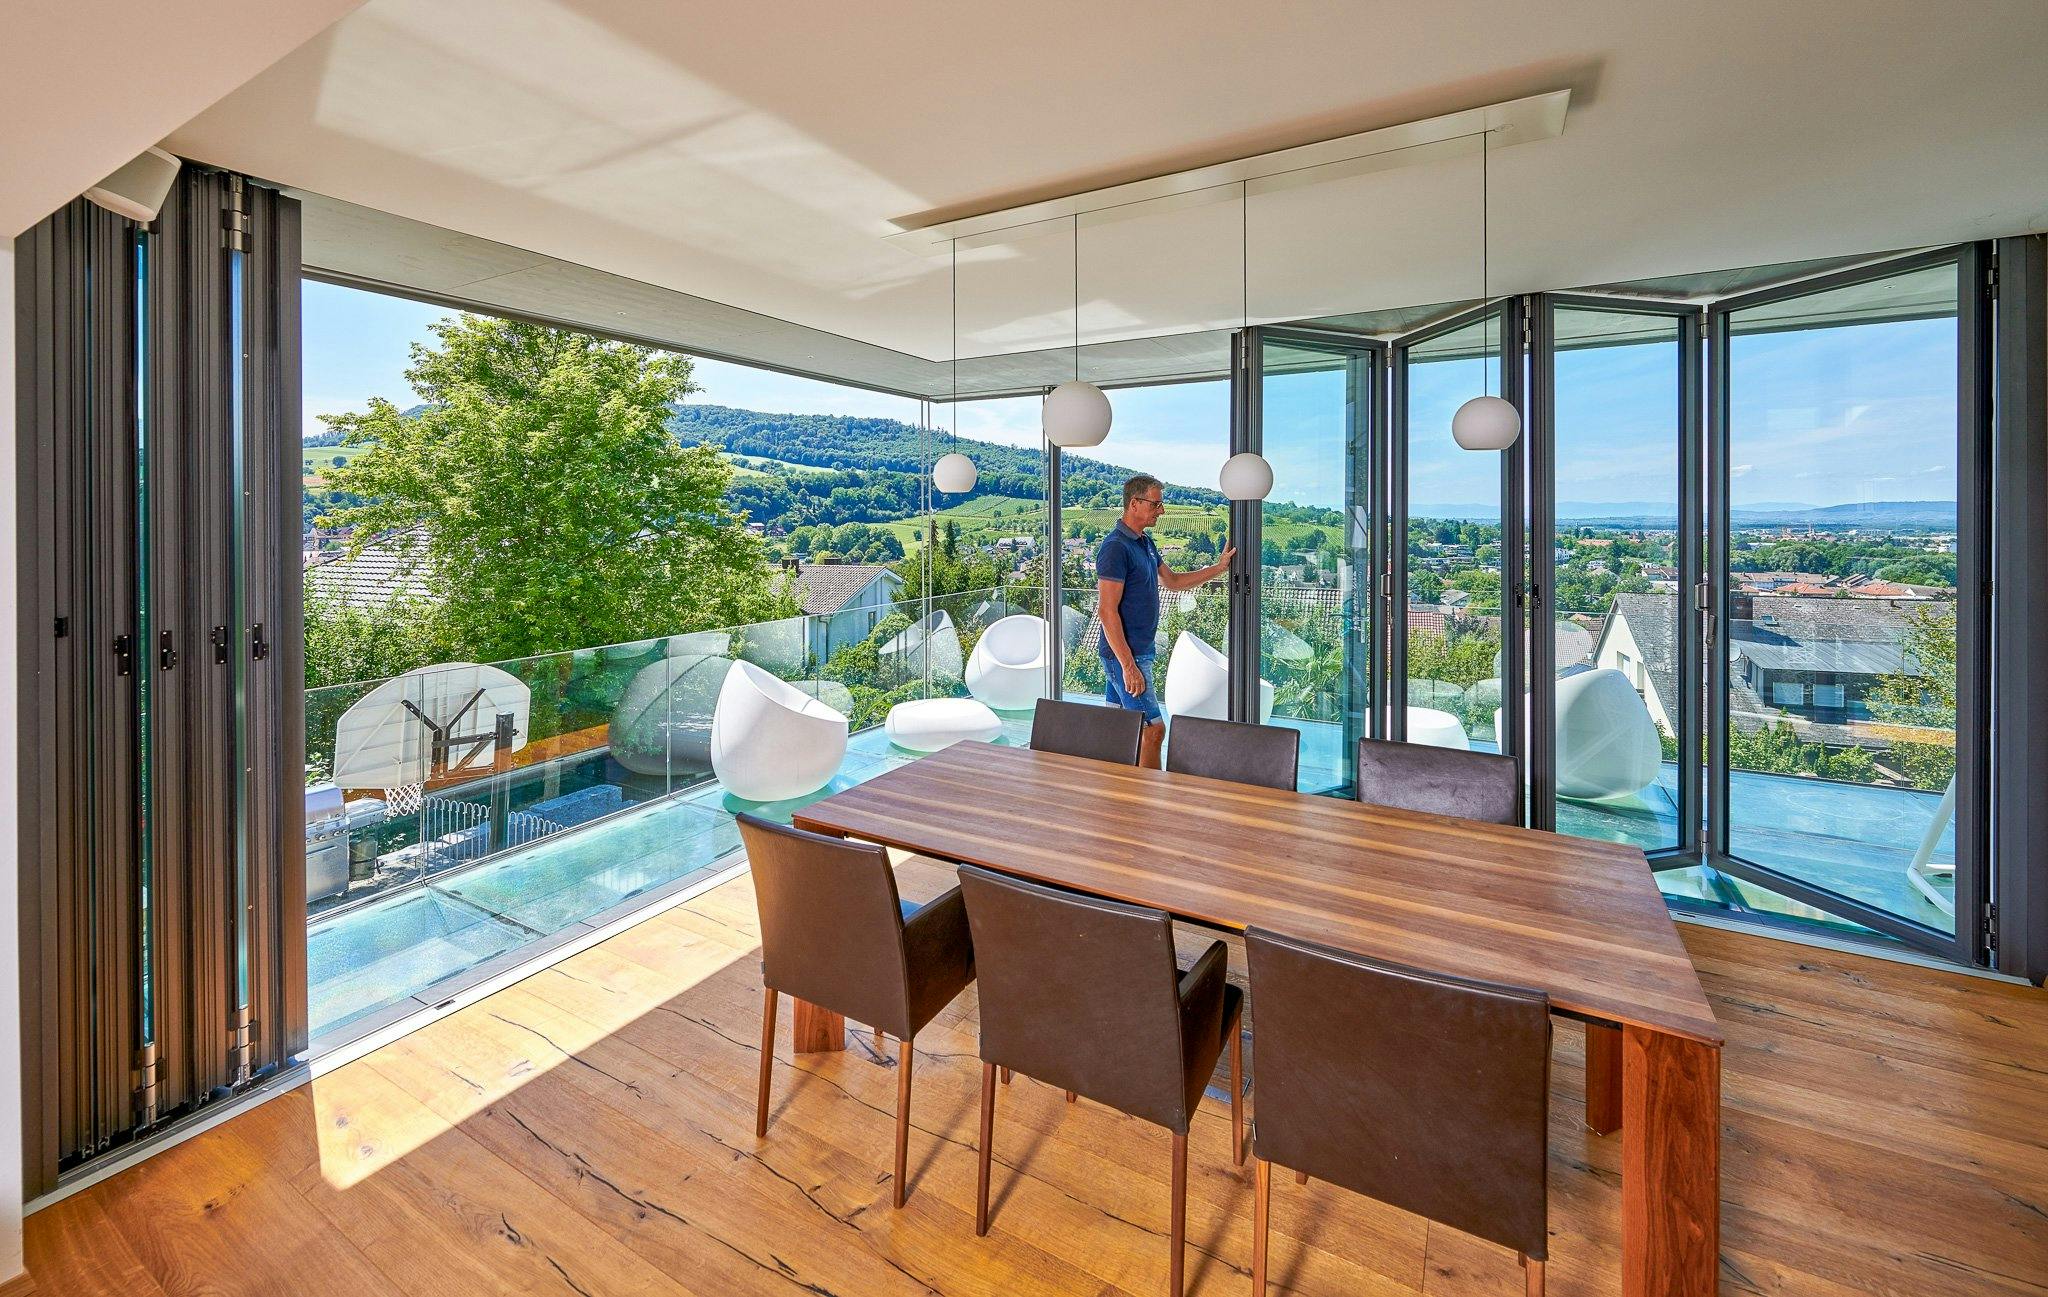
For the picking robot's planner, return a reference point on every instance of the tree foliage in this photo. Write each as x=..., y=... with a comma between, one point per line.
x=555, y=508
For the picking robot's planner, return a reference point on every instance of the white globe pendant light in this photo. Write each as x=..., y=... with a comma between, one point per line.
x=1245, y=477
x=1485, y=422
x=954, y=474
x=1076, y=413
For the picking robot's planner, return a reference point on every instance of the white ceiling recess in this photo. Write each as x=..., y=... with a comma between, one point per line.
x=85, y=85
x=755, y=156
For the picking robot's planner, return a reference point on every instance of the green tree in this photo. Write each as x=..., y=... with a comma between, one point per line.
x=1924, y=701
x=557, y=510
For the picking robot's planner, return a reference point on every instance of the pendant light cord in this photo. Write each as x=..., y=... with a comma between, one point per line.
x=1486, y=238
x=1077, y=297
x=1244, y=253
x=956, y=344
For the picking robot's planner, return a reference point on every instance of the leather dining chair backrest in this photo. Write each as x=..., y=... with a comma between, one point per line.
x=1440, y=781
x=831, y=922
x=1266, y=755
x=1087, y=730
x=1080, y=993
x=1427, y=1092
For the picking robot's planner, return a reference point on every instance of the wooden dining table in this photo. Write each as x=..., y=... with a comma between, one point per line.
x=1580, y=920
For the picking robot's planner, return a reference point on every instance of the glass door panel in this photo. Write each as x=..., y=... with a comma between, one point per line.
x=1449, y=656
x=1846, y=546
x=1616, y=430
x=1316, y=632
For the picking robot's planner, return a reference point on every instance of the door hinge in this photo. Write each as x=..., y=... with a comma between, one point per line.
x=124, y=655
x=259, y=648
x=238, y=1046
x=1991, y=278
x=1991, y=926
x=63, y=627
x=166, y=652
x=235, y=218
x=145, y=1084
x=220, y=645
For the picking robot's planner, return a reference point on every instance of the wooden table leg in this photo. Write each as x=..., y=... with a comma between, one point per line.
x=814, y=1030
x=1670, y=1165
x=1603, y=1078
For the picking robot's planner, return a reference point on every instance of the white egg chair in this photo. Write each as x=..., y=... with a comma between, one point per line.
x=1198, y=682
x=1008, y=666
x=1607, y=745
x=1436, y=729
x=929, y=724
x=770, y=740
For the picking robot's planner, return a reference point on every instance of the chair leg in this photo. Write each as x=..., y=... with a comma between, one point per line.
x=902, y=1117
x=1301, y=1177
x=1534, y=1276
x=767, y=1063
x=1006, y=1076
x=1179, y=1239
x=988, y=1130
x=1236, y=1096
x=1262, y=1197
x=878, y=1040
x=1071, y=1096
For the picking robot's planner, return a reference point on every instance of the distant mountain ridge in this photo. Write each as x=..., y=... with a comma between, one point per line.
x=858, y=443
x=1931, y=515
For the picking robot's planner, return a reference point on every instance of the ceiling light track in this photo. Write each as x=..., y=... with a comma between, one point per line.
x=1515, y=121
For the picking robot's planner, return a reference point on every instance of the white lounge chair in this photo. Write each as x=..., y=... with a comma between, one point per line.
x=662, y=725
x=929, y=724
x=1436, y=729
x=932, y=642
x=1607, y=745
x=1198, y=682
x=1008, y=666
x=770, y=740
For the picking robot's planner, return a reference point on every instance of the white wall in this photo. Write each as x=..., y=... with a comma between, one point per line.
x=10, y=928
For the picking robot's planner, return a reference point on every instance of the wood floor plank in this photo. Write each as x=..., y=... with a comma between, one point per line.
x=1883, y=1135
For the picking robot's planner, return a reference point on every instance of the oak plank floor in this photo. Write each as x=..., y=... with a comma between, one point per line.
x=590, y=1130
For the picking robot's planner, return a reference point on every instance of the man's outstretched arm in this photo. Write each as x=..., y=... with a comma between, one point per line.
x=1172, y=580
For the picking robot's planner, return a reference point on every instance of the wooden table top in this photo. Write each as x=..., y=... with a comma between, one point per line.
x=1580, y=920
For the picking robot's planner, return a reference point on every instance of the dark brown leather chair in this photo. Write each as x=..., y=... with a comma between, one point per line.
x=1428, y=1092
x=1441, y=781
x=1267, y=755
x=1084, y=994
x=835, y=933
x=1087, y=730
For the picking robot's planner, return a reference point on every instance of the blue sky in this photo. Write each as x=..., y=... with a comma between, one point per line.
x=1819, y=417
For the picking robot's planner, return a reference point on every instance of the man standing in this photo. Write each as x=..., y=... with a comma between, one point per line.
x=1129, y=573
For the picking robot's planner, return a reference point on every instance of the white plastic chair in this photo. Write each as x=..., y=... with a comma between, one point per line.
x=929, y=724
x=770, y=740
x=1008, y=666
x=1198, y=682
x=1607, y=745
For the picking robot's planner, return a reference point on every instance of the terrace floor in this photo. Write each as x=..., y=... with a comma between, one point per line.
x=590, y=1130
x=407, y=950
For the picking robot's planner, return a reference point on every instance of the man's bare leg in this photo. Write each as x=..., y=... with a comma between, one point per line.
x=1149, y=744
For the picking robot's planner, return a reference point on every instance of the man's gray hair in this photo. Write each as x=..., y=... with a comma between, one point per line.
x=1137, y=486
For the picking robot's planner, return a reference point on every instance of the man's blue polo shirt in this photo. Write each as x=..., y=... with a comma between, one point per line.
x=1132, y=558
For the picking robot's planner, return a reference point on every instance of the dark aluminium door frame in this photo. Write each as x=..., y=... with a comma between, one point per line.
x=1970, y=941
x=1541, y=444
x=1365, y=421
x=1514, y=608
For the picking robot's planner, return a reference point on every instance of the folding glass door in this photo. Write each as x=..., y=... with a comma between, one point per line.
x=1306, y=607
x=1614, y=540
x=1455, y=635
x=1849, y=499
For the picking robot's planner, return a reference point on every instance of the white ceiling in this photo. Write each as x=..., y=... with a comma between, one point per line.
x=85, y=85
x=755, y=154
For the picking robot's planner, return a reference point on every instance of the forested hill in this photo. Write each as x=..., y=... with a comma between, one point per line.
x=851, y=444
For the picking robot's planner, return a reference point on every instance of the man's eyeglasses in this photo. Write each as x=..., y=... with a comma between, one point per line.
x=1156, y=504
